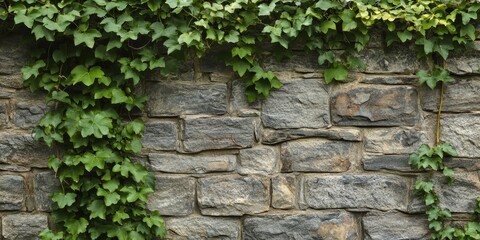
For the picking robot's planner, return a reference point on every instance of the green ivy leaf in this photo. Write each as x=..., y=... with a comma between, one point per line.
x=87, y=37
x=64, y=200
x=76, y=227
x=97, y=209
x=338, y=73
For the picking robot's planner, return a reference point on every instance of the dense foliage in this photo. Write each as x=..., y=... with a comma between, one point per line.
x=90, y=55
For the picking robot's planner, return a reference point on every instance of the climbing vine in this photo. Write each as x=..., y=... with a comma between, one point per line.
x=90, y=56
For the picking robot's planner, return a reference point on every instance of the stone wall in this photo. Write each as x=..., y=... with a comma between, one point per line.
x=313, y=161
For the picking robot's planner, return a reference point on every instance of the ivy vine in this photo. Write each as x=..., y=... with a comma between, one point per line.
x=90, y=55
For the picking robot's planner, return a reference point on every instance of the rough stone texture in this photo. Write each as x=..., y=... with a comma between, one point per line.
x=392, y=225
x=238, y=99
x=273, y=136
x=21, y=149
x=24, y=226
x=217, y=133
x=160, y=135
x=461, y=196
x=13, y=54
x=301, y=226
x=12, y=192
x=468, y=164
x=300, y=61
x=461, y=96
x=387, y=162
x=177, y=99
x=3, y=114
x=283, y=192
x=396, y=59
x=317, y=155
x=200, y=227
x=298, y=104
x=45, y=183
x=463, y=132
x=28, y=114
x=176, y=163
x=390, y=80
x=174, y=195
x=375, y=106
x=464, y=62
x=394, y=140
x=233, y=195
x=356, y=191
x=258, y=160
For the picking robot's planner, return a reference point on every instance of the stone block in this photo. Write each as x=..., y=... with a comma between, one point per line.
x=3, y=114
x=238, y=98
x=317, y=155
x=218, y=133
x=233, y=195
x=173, y=196
x=395, y=59
x=45, y=184
x=261, y=160
x=356, y=191
x=182, y=163
x=390, y=79
x=461, y=196
x=463, y=132
x=393, y=225
x=160, y=135
x=200, y=227
x=274, y=136
x=300, y=61
x=300, y=103
x=394, y=140
x=13, y=54
x=283, y=192
x=24, y=226
x=179, y=99
x=375, y=106
x=468, y=164
x=464, y=62
x=460, y=96
x=21, y=149
x=28, y=114
x=299, y=226
x=387, y=162
x=12, y=192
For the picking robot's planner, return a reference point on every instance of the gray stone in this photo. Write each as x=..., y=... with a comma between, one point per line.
x=390, y=79
x=21, y=149
x=200, y=227
x=283, y=192
x=467, y=164
x=301, y=103
x=238, y=98
x=181, y=163
x=160, y=135
x=273, y=136
x=233, y=195
x=461, y=96
x=13, y=54
x=28, y=114
x=13, y=81
x=173, y=196
x=178, y=99
x=12, y=192
x=45, y=183
x=24, y=226
x=387, y=162
x=261, y=160
x=300, y=61
x=218, y=133
x=395, y=59
x=375, y=106
x=393, y=225
x=462, y=194
x=318, y=155
x=356, y=191
x=464, y=62
x=222, y=76
x=463, y=133
x=13, y=168
x=3, y=114
x=394, y=140
x=301, y=226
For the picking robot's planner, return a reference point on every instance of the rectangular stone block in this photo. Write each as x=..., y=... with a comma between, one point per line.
x=460, y=197
x=274, y=136
x=200, y=227
x=387, y=162
x=283, y=191
x=218, y=133
x=375, y=106
x=304, y=225
x=181, y=163
x=12, y=192
x=317, y=155
x=460, y=96
x=463, y=132
x=233, y=195
x=160, y=135
x=390, y=79
x=3, y=114
x=356, y=191
x=238, y=98
x=13, y=54
x=28, y=114
x=394, y=225
x=464, y=62
x=20, y=149
x=394, y=140
x=260, y=160
x=45, y=184
x=179, y=98
x=300, y=103
x=395, y=59
x=24, y=226
x=173, y=196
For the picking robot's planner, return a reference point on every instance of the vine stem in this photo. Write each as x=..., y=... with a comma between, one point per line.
x=437, y=142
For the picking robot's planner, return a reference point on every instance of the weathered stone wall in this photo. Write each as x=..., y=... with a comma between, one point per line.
x=313, y=161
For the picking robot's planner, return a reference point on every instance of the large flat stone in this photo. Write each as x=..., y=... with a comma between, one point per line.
x=394, y=140
x=233, y=195
x=462, y=194
x=182, y=163
x=460, y=96
x=173, y=196
x=300, y=226
x=24, y=226
x=261, y=160
x=160, y=135
x=13, y=54
x=45, y=184
x=238, y=98
x=300, y=103
x=464, y=62
x=317, y=155
x=393, y=225
x=274, y=136
x=356, y=191
x=463, y=132
x=179, y=98
x=12, y=192
x=390, y=79
x=20, y=149
x=218, y=133
x=283, y=191
x=395, y=59
x=387, y=162
x=375, y=106
x=28, y=114
x=200, y=227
